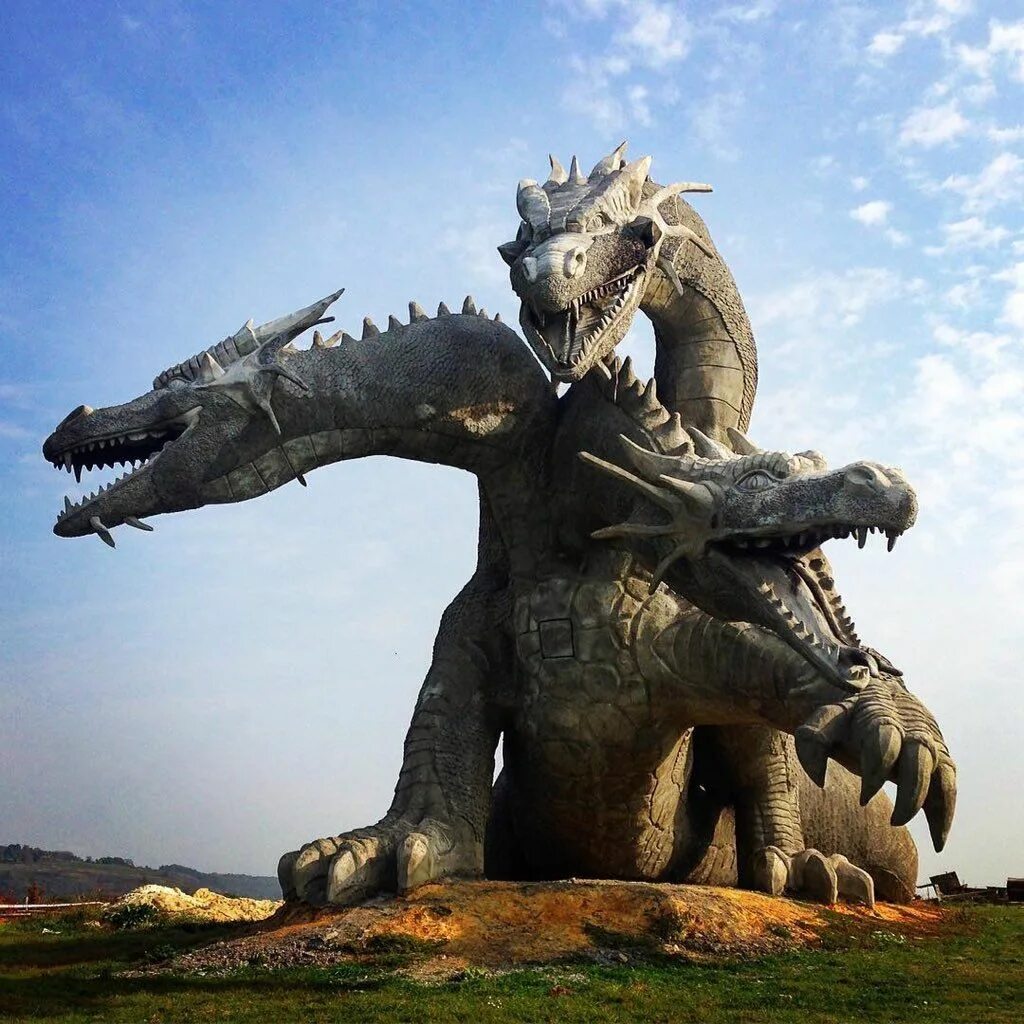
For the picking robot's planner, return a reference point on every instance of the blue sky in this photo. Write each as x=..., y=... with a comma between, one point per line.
x=239, y=681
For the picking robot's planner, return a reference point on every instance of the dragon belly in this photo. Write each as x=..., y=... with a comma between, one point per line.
x=596, y=761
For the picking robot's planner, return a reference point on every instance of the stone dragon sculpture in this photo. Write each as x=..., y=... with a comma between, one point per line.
x=644, y=674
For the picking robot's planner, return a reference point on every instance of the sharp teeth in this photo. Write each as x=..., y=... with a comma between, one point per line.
x=67, y=461
x=67, y=504
x=892, y=535
x=862, y=536
x=78, y=474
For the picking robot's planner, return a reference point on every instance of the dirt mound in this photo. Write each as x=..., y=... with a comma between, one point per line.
x=451, y=926
x=204, y=905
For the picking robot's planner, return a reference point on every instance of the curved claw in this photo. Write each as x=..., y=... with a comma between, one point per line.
x=812, y=755
x=771, y=869
x=879, y=752
x=811, y=873
x=358, y=870
x=940, y=804
x=854, y=883
x=914, y=774
x=816, y=738
x=286, y=875
x=418, y=861
x=310, y=870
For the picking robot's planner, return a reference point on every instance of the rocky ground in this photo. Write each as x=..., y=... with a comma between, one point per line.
x=169, y=905
x=458, y=926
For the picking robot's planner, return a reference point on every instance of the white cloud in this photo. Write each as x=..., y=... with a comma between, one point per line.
x=885, y=44
x=965, y=294
x=831, y=299
x=1008, y=41
x=875, y=214
x=1003, y=135
x=597, y=92
x=1013, y=306
x=872, y=214
x=933, y=17
x=1005, y=47
x=970, y=233
x=714, y=123
x=932, y=126
x=758, y=10
x=923, y=18
x=655, y=34
x=859, y=183
x=1000, y=181
x=645, y=36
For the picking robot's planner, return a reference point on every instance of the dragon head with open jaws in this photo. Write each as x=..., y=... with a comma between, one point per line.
x=202, y=419
x=585, y=248
x=743, y=532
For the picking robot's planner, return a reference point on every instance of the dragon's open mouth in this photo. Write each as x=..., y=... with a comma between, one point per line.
x=137, y=449
x=796, y=544
x=800, y=602
x=573, y=332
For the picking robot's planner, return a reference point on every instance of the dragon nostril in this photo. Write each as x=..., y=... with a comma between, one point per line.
x=575, y=261
x=864, y=475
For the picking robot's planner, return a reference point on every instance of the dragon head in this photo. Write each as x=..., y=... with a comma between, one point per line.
x=581, y=259
x=203, y=419
x=737, y=532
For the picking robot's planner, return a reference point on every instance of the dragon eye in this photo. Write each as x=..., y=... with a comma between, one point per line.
x=598, y=221
x=756, y=480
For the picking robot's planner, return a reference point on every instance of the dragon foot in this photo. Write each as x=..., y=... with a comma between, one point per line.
x=394, y=855
x=812, y=874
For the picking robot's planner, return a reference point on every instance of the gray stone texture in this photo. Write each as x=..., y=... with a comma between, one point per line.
x=652, y=631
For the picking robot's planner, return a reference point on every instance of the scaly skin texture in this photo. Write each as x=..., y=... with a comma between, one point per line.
x=558, y=643
x=580, y=234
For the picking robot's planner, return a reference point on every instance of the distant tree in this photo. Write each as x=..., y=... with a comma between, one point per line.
x=35, y=893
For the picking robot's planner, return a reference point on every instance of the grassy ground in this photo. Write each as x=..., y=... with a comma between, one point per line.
x=974, y=972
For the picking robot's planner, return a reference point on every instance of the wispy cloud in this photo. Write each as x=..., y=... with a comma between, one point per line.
x=933, y=126
x=647, y=37
x=875, y=214
x=970, y=233
x=1000, y=181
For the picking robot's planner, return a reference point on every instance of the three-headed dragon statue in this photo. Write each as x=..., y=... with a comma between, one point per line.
x=652, y=631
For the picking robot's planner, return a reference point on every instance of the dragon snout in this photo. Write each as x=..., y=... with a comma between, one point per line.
x=556, y=262
x=872, y=484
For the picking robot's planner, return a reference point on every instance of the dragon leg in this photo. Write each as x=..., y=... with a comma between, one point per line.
x=874, y=728
x=437, y=820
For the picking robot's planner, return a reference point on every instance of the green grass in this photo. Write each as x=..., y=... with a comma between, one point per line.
x=973, y=973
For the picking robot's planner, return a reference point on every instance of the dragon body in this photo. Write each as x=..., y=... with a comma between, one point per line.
x=597, y=678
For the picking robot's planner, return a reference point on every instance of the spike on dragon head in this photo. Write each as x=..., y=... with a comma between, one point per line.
x=580, y=261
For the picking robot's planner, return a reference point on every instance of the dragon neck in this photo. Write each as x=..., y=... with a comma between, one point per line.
x=455, y=390
x=706, y=361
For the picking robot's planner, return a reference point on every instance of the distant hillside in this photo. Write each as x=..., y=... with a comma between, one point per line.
x=60, y=874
